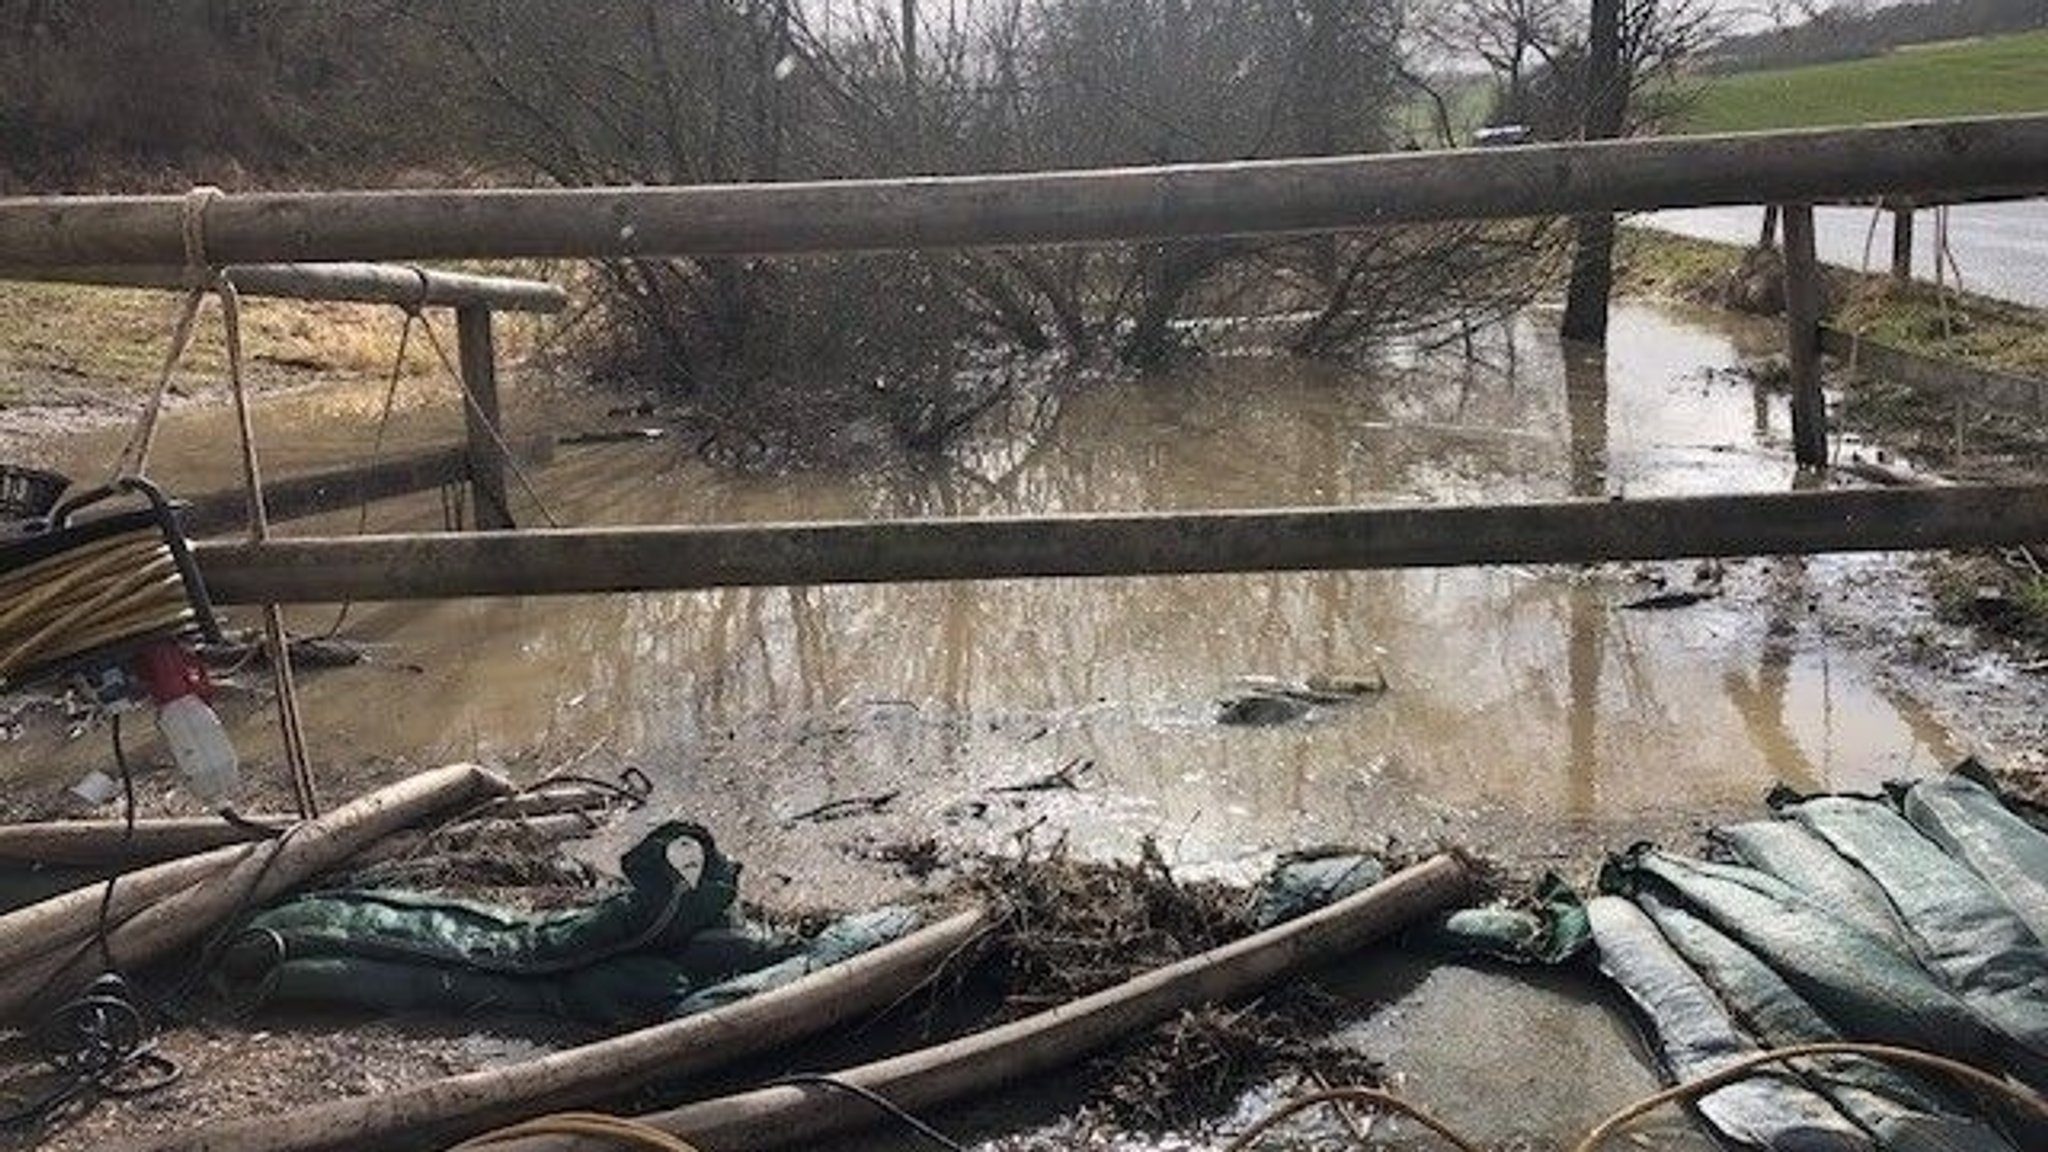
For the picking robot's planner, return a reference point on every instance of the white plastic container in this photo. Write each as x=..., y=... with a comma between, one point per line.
x=200, y=746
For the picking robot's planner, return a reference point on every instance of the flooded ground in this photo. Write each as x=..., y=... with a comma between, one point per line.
x=1530, y=691
x=1530, y=714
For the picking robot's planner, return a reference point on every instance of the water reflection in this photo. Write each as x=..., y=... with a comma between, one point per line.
x=1585, y=390
x=1514, y=687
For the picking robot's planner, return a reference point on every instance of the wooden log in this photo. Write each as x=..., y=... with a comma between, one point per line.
x=522, y=830
x=214, y=513
x=482, y=418
x=110, y=845
x=107, y=844
x=575, y=561
x=440, y=1112
x=1802, y=338
x=31, y=935
x=1006, y=1055
x=256, y=874
x=1957, y=159
x=345, y=283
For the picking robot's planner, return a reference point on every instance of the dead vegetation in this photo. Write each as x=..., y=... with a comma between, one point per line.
x=1197, y=1066
x=1076, y=927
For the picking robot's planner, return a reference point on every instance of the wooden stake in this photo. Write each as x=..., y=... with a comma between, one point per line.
x=482, y=418
x=1802, y=338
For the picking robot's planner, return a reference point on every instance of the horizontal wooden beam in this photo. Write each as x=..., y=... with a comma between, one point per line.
x=1954, y=159
x=293, y=497
x=346, y=283
x=288, y=499
x=640, y=559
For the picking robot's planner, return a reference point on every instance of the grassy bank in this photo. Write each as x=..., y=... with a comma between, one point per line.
x=1975, y=330
x=61, y=341
x=1998, y=74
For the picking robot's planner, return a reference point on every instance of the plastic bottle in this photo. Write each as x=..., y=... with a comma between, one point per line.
x=199, y=744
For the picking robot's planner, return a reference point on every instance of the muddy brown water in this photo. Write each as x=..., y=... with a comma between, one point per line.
x=1529, y=713
x=1528, y=689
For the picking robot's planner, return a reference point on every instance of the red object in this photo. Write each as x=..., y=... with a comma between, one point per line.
x=170, y=672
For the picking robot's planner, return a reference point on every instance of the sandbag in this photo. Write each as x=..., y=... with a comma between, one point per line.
x=1962, y=932
x=635, y=956
x=839, y=941
x=1865, y=988
x=1901, y=1112
x=1787, y=850
x=1550, y=929
x=1696, y=1036
x=1299, y=884
x=1970, y=823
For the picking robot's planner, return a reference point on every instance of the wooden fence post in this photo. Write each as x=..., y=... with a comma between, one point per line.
x=481, y=418
x=1902, y=242
x=1802, y=337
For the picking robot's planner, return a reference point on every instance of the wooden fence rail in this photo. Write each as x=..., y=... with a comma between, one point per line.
x=1955, y=159
x=346, y=283
x=641, y=559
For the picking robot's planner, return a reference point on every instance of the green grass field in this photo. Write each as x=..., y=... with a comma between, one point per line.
x=1959, y=78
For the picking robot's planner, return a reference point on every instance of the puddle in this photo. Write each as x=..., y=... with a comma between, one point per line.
x=1526, y=691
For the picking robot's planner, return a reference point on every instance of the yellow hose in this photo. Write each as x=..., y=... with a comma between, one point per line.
x=1692, y=1089
x=618, y=1130
x=125, y=587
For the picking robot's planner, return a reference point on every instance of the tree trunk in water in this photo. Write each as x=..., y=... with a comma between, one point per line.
x=1606, y=112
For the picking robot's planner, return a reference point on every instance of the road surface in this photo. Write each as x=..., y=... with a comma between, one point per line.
x=2001, y=248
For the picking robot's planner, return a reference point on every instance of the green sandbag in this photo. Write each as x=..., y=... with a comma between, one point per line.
x=1695, y=1036
x=1903, y=1114
x=1864, y=988
x=1300, y=884
x=1787, y=850
x=1551, y=931
x=1962, y=932
x=841, y=940
x=622, y=992
x=658, y=910
x=1972, y=825
x=634, y=956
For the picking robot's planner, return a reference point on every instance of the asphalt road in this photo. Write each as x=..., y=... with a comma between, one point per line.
x=2002, y=248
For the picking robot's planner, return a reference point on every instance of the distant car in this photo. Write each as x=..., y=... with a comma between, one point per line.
x=1501, y=136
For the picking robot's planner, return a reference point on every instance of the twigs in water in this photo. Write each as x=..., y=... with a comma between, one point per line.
x=841, y=809
x=1066, y=779
x=1074, y=928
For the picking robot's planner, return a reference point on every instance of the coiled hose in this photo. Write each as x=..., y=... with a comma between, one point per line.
x=123, y=587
